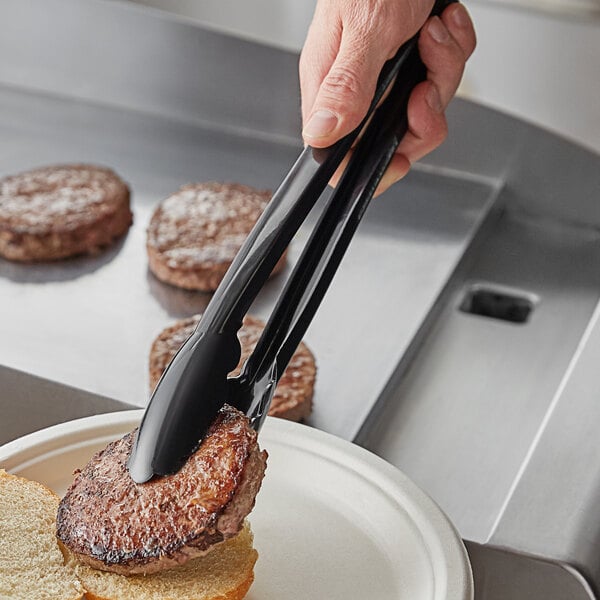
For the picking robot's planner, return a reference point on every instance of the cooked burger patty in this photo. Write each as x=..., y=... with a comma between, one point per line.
x=59, y=211
x=293, y=396
x=195, y=233
x=114, y=524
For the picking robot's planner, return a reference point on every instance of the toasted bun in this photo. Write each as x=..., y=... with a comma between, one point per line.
x=31, y=563
x=225, y=573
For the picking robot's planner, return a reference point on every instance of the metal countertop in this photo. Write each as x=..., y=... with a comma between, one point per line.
x=89, y=322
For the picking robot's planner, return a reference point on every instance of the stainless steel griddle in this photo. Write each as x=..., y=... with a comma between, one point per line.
x=459, y=339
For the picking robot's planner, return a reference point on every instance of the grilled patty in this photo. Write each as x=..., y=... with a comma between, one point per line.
x=293, y=395
x=60, y=211
x=196, y=232
x=114, y=524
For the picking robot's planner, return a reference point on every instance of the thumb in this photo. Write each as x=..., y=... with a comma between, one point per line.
x=345, y=93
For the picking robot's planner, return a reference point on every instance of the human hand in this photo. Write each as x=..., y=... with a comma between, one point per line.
x=345, y=49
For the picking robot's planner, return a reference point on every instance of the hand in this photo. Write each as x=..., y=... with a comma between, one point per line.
x=346, y=47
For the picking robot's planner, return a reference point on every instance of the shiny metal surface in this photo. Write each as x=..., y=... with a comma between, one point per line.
x=560, y=475
x=500, y=376
x=112, y=52
x=501, y=574
x=495, y=419
x=29, y=403
x=90, y=322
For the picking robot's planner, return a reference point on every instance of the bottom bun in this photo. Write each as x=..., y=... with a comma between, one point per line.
x=225, y=573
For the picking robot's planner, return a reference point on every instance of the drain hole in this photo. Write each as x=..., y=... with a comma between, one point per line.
x=497, y=303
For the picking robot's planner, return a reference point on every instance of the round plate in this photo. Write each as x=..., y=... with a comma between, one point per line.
x=331, y=520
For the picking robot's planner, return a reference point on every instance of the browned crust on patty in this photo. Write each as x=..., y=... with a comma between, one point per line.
x=112, y=523
x=63, y=210
x=196, y=232
x=293, y=396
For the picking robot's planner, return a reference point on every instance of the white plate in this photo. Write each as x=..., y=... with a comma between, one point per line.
x=332, y=521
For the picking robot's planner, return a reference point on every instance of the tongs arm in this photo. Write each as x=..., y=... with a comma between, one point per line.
x=285, y=213
x=331, y=237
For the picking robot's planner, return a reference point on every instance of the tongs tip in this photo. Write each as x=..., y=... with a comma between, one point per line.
x=184, y=404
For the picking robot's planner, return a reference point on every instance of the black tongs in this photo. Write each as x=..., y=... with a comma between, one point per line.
x=196, y=384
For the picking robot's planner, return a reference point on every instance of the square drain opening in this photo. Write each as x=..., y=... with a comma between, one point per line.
x=497, y=302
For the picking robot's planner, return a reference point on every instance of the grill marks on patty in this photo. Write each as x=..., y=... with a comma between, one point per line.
x=112, y=523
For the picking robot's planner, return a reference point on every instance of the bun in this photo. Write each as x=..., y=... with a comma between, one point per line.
x=34, y=565
x=225, y=573
x=31, y=562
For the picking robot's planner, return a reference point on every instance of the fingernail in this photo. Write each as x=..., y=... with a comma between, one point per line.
x=437, y=30
x=460, y=17
x=321, y=124
x=433, y=99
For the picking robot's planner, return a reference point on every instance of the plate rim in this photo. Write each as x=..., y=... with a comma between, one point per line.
x=440, y=537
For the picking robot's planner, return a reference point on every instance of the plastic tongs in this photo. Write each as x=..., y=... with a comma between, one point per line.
x=196, y=384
